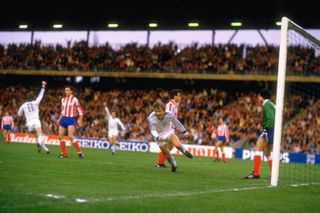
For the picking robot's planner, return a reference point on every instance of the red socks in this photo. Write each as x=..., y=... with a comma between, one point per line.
x=64, y=150
x=63, y=147
x=161, y=158
x=270, y=164
x=256, y=164
x=77, y=146
x=216, y=153
x=224, y=157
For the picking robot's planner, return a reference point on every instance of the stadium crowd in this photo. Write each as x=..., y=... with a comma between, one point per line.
x=222, y=58
x=199, y=110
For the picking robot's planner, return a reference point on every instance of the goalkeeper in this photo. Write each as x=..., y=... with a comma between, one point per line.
x=265, y=140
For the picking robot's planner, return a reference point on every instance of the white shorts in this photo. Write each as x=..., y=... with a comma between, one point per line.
x=113, y=133
x=166, y=136
x=33, y=124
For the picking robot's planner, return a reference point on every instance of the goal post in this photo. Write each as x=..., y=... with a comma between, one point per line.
x=286, y=25
x=279, y=101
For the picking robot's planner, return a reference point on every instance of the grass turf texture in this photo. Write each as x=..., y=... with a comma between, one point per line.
x=129, y=182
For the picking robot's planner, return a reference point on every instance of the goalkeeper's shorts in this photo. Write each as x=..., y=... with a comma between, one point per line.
x=267, y=135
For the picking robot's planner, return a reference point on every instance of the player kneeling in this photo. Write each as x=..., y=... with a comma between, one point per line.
x=161, y=130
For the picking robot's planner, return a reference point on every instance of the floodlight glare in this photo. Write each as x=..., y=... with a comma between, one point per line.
x=153, y=25
x=57, y=26
x=278, y=23
x=113, y=25
x=193, y=24
x=23, y=26
x=236, y=24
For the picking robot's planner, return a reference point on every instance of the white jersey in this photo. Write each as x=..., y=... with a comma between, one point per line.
x=30, y=109
x=113, y=123
x=162, y=127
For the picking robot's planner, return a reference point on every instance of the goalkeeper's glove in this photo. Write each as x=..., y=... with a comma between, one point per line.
x=265, y=134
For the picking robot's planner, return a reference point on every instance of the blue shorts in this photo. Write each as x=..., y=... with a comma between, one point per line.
x=67, y=121
x=222, y=138
x=7, y=127
x=268, y=135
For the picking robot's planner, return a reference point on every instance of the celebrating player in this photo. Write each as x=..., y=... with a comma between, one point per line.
x=223, y=138
x=171, y=107
x=7, y=124
x=113, y=124
x=30, y=110
x=162, y=131
x=265, y=140
x=70, y=105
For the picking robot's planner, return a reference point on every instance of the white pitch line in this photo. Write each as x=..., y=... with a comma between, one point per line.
x=139, y=197
x=178, y=194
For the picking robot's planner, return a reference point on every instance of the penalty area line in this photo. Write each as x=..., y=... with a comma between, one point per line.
x=176, y=194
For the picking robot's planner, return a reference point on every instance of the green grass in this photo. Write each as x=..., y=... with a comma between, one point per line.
x=129, y=182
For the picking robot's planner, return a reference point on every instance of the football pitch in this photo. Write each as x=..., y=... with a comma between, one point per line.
x=129, y=182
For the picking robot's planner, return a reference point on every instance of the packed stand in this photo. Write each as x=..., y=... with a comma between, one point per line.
x=221, y=58
x=199, y=111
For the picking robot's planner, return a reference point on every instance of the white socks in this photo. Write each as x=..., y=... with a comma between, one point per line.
x=113, y=147
x=41, y=143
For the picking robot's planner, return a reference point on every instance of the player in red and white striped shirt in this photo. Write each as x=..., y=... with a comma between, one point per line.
x=223, y=138
x=172, y=107
x=70, y=109
x=7, y=124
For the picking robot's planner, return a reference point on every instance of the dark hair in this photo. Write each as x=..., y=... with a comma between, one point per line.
x=174, y=92
x=69, y=86
x=265, y=93
x=29, y=96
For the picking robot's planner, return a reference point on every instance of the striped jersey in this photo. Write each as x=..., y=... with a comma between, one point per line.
x=158, y=126
x=113, y=123
x=70, y=106
x=223, y=130
x=172, y=107
x=30, y=109
x=7, y=120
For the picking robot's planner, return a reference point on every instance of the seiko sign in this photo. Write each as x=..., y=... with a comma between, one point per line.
x=123, y=145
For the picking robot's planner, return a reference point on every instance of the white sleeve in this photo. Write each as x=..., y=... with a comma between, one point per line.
x=178, y=124
x=20, y=111
x=153, y=130
x=121, y=125
x=40, y=96
x=107, y=111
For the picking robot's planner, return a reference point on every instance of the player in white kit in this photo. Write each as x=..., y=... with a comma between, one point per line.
x=113, y=127
x=30, y=110
x=161, y=130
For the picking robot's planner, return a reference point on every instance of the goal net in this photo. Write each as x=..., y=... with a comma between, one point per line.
x=296, y=150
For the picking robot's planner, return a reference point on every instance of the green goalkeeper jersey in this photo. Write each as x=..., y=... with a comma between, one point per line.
x=268, y=114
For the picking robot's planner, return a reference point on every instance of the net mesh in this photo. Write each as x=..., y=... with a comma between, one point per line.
x=300, y=140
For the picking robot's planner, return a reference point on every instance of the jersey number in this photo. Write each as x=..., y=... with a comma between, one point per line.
x=30, y=107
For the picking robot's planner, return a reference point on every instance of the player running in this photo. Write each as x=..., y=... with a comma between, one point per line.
x=162, y=131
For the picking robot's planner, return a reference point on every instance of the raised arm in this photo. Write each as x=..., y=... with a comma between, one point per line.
x=40, y=96
x=106, y=109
